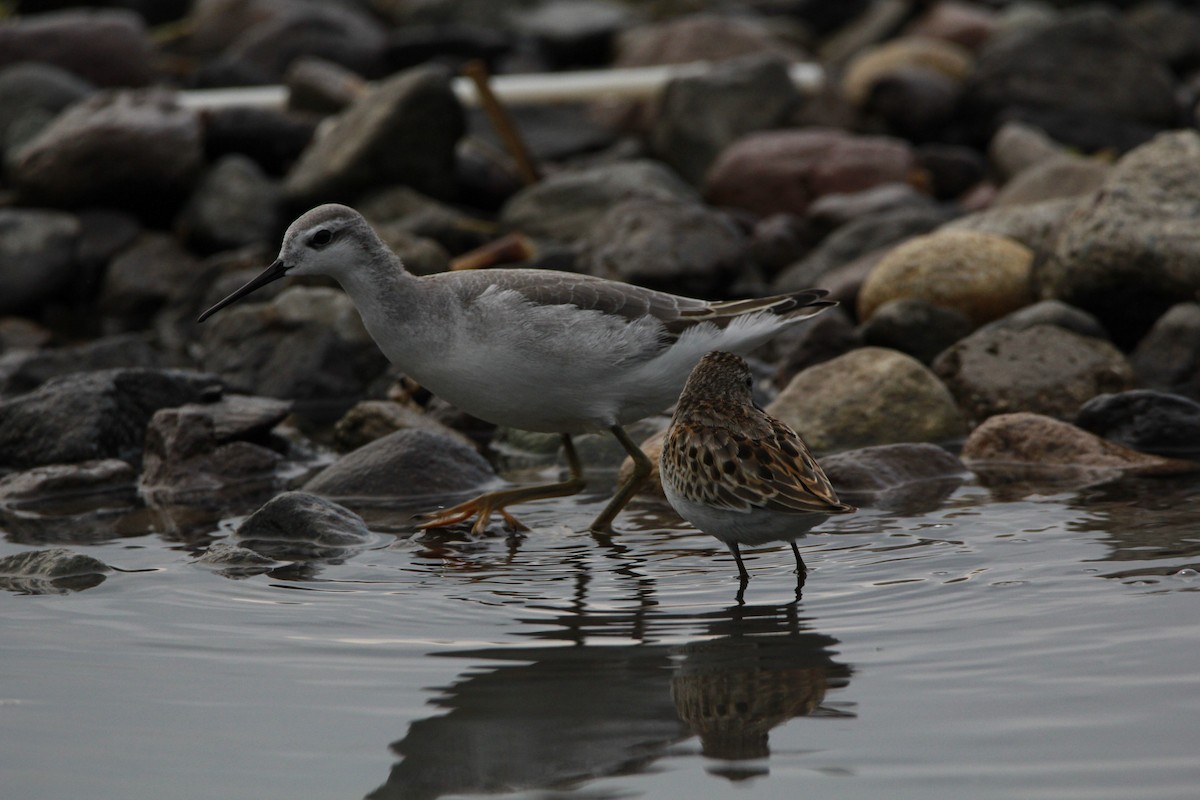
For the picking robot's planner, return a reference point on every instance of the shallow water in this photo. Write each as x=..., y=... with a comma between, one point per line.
x=993, y=645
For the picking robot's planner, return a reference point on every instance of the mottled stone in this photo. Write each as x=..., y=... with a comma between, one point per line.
x=1053, y=178
x=1043, y=369
x=299, y=526
x=867, y=397
x=1034, y=225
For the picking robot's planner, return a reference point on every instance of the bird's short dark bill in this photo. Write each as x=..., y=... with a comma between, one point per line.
x=271, y=273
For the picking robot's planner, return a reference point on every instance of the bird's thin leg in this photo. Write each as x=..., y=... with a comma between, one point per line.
x=737, y=556
x=626, y=491
x=483, y=506
x=801, y=567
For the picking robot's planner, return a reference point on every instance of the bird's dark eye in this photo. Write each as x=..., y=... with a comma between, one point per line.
x=321, y=238
x=749, y=382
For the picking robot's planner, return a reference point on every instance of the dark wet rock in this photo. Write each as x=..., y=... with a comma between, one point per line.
x=105, y=47
x=780, y=240
x=953, y=170
x=785, y=171
x=970, y=25
x=38, y=251
x=1050, y=312
x=1085, y=64
x=1168, y=356
x=402, y=209
x=1016, y=147
x=234, y=561
x=914, y=103
x=1169, y=30
x=321, y=87
x=308, y=344
x=374, y=419
x=903, y=54
x=565, y=206
x=92, y=415
x=1053, y=178
x=1152, y=422
x=403, y=130
x=553, y=133
x=136, y=150
x=25, y=371
x=857, y=239
x=1026, y=438
x=201, y=448
x=299, y=526
x=1043, y=369
x=700, y=37
x=140, y=281
x=832, y=211
x=56, y=570
x=867, y=397
x=916, y=327
x=907, y=477
x=272, y=137
x=105, y=233
x=1034, y=225
x=1128, y=252
x=407, y=463
x=18, y=334
x=701, y=115
x=234, y=204
x=31, y=94
x=980, y=275
x=574, y=33
x=684, y=247
x=825, y=337
x=449, y=42
x=55, y=482
x=262, y=51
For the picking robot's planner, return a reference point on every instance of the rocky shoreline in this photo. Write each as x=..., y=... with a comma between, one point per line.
x=1002, y=197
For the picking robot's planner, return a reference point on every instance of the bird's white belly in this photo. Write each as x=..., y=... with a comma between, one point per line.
x=752, y=527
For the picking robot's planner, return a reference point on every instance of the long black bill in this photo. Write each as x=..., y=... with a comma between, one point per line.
x=271, y=273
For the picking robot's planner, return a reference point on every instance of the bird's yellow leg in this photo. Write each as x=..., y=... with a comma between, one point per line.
x=483, y=506
x=626, y=491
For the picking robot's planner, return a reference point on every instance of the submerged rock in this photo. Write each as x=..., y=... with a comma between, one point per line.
x=910, y=477
x=58, y=481
x=1152, y=422
x=53, y=571
x=298, y=526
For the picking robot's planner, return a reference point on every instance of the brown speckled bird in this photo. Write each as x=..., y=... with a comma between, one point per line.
x=734, y=471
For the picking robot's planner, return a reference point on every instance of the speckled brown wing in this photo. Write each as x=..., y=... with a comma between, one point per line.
x=729, y=470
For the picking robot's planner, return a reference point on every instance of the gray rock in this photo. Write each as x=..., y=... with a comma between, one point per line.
x=235, y=204
x=671, y=245
x=91, y=415
x=1044, y=369
x=274, y=138
x=234, y=561
x=953, y=170
x=905, y=477
x=53, y=571
x=916, y=327
x=1016, y=147
x=1052, y=179
x=1050, y=312
x=832, y=211
x=105, y=47
x=153, y=272
x=407, y=463
x=402, y=209
x=308, y=344
x=700, y=116
x=201, y=448
x=38, y=251
x=1168, y=356
x=867, y=397
x=574, y=32
x=1085, y=63
x=131, y=149
x=298, y=526
x=1152, y=422
x=276, y=34
x=780, y=240
x=823, y=338
x=403, y=131
x=856, y=239
x=914, y=102
x=1128, y=252
x=321, y=87
x=1034, y=225
x=24, y=371
x=38, y=89
x=565, y=206
x=58, y=481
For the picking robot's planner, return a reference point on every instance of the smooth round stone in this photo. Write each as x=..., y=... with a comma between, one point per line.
x=1153, y=422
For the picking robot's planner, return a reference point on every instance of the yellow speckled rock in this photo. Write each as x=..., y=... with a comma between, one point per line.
x=981, y=275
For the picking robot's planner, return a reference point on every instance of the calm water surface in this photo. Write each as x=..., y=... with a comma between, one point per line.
x=1032, y=644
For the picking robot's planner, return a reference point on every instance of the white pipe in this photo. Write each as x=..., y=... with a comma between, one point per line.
x=528, y=89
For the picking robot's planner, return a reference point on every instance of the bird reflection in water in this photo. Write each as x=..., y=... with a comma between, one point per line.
x=584, y=704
